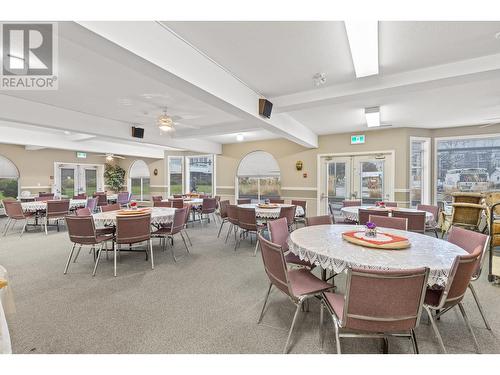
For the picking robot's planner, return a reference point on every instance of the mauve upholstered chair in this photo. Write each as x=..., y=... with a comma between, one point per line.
x=278, y=233
x=232, y=216
x=131, y=230
x=469, y=240
x=247, y=222
x=319, y=220
x=276, y=200
x=364, y=214
x=110, y=207
x=123, y=198
x=91, y=204
x=223, y=215
x=162, y=204
x=102, y=199
x=416, y=220
x=431, y=224
x=300, y=218
x=177, y=202
x=14, y=212
x=168, y=232
x=82, y=232
x=56, y=210
x=443, y=300
x=244, y=201
x=156, y=198
x=298, y=284
x=351, y=203
x=288, y=212
x=389, y=222
x=207, y=208
x=106, y=230
x=377, y=303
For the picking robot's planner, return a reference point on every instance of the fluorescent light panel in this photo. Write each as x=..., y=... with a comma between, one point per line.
x=363, y=40
x=372, y=116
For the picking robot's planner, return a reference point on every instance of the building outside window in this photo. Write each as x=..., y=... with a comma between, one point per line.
x=419, y=171
x=175, y=175
x=258, y=177
x=469, y=164
x=200, y=173
x=139, y=179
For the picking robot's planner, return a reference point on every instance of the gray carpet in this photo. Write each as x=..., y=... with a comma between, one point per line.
x=207, y=302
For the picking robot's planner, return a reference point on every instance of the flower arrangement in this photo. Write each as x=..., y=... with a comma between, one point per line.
x=380, y=204
x=370, y=229
x=133, y=205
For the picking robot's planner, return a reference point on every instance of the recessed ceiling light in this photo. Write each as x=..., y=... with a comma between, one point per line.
x=67, y=132
x=124, y=102
x=319, y=79
x=363, y=41
x=372, y=116
x=240, y=137
x=147, y=96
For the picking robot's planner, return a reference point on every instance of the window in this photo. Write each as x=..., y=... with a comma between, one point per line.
x=467, y=164
x=200, y=174
x=419, y=171
x=9, y=177
x=175, y=175
x=139, y=181
x=258, y=176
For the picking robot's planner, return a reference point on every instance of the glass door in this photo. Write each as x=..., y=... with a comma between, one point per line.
x=338, y=182
x=371, y=182
x=68, y=180
x=90, y=181
x=74, y=179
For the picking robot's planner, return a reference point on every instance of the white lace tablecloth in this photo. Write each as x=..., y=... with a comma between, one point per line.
x=271, y=213
x=190, y=202
x=41, y=206
x=6, y=307
x=351, y=213
x=323, y=245
x=159, y=215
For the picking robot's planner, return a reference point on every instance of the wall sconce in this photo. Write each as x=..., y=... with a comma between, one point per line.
x=299, y=165
x=155, y=172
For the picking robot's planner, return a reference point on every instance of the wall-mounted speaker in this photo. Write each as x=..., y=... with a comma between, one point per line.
x=137, y=132
x=265, y=108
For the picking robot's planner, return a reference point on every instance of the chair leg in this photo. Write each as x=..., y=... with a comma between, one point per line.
x=69, y=259
x=480, y=307
x=228, y=232
x=184, y=240
x=187, y=236
x=220, y=228
x=413, y=339
x=469, y=327
x=6, y=227
x=151, y=251
x=99, y=250
x=435, y=328
x=24, y=227
x=436, y=233
x=46, y=223
x=77, y=253
x=256, y=247
x=115, y=250
x=337, y=336
x=321, y=318
x=297, y=310
x=173, y=252
x=265, y=302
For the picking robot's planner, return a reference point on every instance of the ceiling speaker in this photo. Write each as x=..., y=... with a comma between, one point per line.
x=137, y=132
x=265, y=108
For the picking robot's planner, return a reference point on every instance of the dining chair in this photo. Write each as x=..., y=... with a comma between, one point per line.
x=416, y=220
x=298, y=284
x=82, y=232
x=492, y=201
x=177, y=196
x=111, y=207
x=123, y=198
x=91, y=204
x=207, y=208
x=466, y=215
x=80, y=196
x=319, y=220
x=15, y=213
x=177, y=202
x=130, y=230
x=56, y=210
x=244, y=201
x=300, y=218
x=186, y=220
x=389, y=222
x=156, y=198
x=86, y=212
x=431, y=224
x=288, y=212
x=232, y=215
x=364, y=214
x=46, y=196
x=247, y=222
x=167, y=233
x=467, y=197
x=102, y=199
x=351, y=203
x=377, y=304
x=162, y=204
x=276, y=200
x=278, y=234
x=223, y=215
x=469, y=240
x=444, y=299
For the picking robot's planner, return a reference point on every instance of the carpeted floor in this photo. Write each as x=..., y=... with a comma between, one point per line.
x=207, y=302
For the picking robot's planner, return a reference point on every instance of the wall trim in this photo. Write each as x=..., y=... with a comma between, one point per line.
x=401, y=190
x=298, y=188
x=36, y=187
x=225, y=187
x=158, y=186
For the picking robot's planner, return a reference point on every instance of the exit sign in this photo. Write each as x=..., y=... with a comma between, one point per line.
x=357, y=139
x=81, y=155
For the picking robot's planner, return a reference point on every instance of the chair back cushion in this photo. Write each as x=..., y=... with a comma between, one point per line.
x=244, y=201
x=351, y=203
x=177, y=202
x=110, y=207
x=274, y=264
x=81, y=229
x=83, y=212
x=384, y=301
x=13, y=209
x=389, y=222
x=91, y=204
x=278, y=232
x=179, y=220
x=319, y=220
x=289, y=213
x=469, y=240
x=247, y=219
x=133, y=229
x=209, y=205
x=57, y=208
x=276, y=200
x=156, y=198
x=123, y=197
x=232, y=214
x=223, y=208
x=364, y=214
x=416, y=220
x=162, y=204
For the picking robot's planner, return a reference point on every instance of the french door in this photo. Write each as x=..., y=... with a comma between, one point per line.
x=74, y=179
x=368, y=178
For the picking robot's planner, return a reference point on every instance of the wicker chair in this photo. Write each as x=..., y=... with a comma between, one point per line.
x=462, y=197
x=466, y=215
x=492, y=201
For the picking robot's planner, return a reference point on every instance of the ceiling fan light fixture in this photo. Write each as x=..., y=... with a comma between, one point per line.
x=165, y=123
x=109, y=157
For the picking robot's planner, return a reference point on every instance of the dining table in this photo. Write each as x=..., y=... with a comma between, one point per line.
x=159, y=216
x=271, y=213
x=351, y=213
x=6, y=309
x=324, y=246
x=36, y=206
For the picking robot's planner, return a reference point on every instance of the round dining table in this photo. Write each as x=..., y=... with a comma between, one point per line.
x=159, y=216
x=271, y=213
x=35, y=206
x=352, y=212
x=324, y=246
x=189, y=201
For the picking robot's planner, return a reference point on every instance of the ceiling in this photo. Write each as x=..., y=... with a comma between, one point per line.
x=209, y=75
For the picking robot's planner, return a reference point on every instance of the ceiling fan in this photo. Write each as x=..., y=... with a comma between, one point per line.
x=110, y=157
x=167, y=123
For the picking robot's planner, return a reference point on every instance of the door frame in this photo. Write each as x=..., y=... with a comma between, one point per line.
x=59, y=164
x=392, y=176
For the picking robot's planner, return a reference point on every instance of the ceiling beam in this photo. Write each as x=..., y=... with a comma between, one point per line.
x=220, y=129
x=33, y=148
x=198, y=75
x=435, y=76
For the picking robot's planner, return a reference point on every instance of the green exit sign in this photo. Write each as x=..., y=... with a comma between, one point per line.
x=81, y=155
x=357, y=139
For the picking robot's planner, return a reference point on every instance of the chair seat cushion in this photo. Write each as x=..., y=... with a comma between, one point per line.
x=107, y=230
x=432, y=296
x=303, y=282
x=336, y=302
x=104, y=237
x=294, y=259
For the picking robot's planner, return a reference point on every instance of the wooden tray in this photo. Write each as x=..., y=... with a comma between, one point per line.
x=139, y=211
x=3, y=283
x=396, y=242
x=268, y=206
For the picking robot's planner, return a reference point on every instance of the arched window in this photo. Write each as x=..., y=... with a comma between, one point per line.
x=9, y=176
x=258, y=176
x=139, y=180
